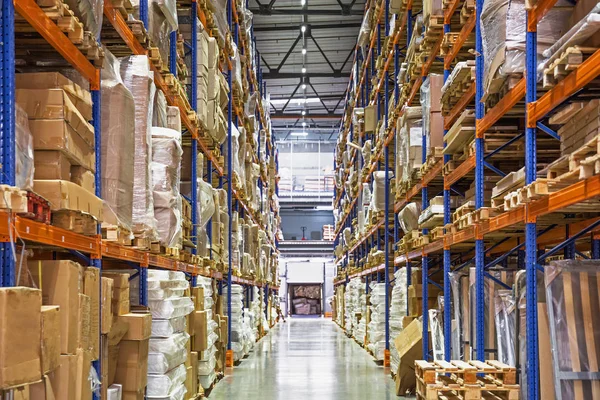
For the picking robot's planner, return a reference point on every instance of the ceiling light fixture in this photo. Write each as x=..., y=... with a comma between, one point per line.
x=295, y=101
x=302, y=3
x=303, y=70
x=303, y=112
x=304, y=51
x=304, y=86
x=303, y=124
x=303, y=28
x=303, y=133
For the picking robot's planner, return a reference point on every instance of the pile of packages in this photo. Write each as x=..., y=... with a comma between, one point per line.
x=376, y=327
x=237, y=319
x=354, y=308
x=207, y=332
x=361, y=333
x=306, y=300
x=398, y=310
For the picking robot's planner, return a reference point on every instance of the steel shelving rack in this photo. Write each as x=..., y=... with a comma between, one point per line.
x=535, y=108
x=92, y=249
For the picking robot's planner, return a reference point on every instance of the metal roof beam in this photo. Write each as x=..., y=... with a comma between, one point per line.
x=288, y=27
x=304, y=12
x=294, y=75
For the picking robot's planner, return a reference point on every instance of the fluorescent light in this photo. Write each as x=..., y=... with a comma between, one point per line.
x=303, y=124
x=303, y=70
x=303, y=112
x=299, y=133
x=304, y=86
x=303, y=28
x=302, y=2
x=303, y=51
x=276, y=102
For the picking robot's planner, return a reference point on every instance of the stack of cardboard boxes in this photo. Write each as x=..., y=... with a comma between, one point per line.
x=217, y=94
x=63, y=140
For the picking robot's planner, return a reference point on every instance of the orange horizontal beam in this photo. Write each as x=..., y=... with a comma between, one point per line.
x=34, y=15
x=504, y=105
x=124, y=253
x=120, y=26
x=450, y=10
x=467, y=166
x=462, y=38
x=535, y=15
x=459, y=107
x=573, y=194
x=577, y=79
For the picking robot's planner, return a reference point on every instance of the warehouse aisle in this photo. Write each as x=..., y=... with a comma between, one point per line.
x=306, y=359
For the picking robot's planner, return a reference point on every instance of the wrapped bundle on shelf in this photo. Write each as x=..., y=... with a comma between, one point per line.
x=433, y=122
x=459, y=285
x=377, y=296
x=90, y=13
x=408, y=217
x=117, y=145
x=506, y=326
x=205, y=331
x=137, y=77
x=23, y=151
x=378, y=199
x=362, y=332
x=166, y=164
x=398, y=313
x=169, y=339
x=503, y=28
x=237, y=319
x=354, y=309
x=409, y=141
x=162, y=20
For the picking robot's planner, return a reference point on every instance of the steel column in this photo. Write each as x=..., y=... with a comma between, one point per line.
x=194, y=104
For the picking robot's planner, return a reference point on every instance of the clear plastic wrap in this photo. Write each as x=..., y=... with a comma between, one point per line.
x=117, y=144
x=573, y=304
x=90, y=13
x=365, y=30
x=170, y=308
x=166, y=164
x=378, y=199
x=460, y=321
x=506, y=330
x=219, y=9
x=162, y=328
x=23, y=151
x=159, y=111
x=436, y=324
x=137, y=77
x=408, y=217
x=162, y=20
x=178, y=393
x=163, y=385
x=164, y=354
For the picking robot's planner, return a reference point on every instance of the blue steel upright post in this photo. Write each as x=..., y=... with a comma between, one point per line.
x=532, y=360
x=7, y=115
x=447, y=253
x=194, y=104
x=229, y=357
x=479, y=245
x=386, y=358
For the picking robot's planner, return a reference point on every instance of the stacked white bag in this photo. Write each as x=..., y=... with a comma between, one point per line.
x=376, y=327
x=168, y=341
x=398, y=310
x=353, y=305
x=361, y=331
x=237, y=319
x=207, y=359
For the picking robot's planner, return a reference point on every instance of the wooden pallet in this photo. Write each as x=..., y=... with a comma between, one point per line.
x=471, y=380
x=75, y=221
x=566, y=62
x=14, y=199
x=463, y=210
x=116, y=234
x=459, y=82
x=123, y=6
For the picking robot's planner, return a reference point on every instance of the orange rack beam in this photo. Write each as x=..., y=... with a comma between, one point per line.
x=459, y=172
x=504, y=105
x=535, y=15
x=459, y=107
x=462, y=38
x=29, y=10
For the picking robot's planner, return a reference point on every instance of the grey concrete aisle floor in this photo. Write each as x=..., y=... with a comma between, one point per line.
x=306, y=359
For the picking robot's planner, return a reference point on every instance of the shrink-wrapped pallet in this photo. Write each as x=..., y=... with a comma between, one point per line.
x=162, y=20
x=166, y=164
x=398, y=310
x=138, y=78
x=376, y=327
x=90, y=13
x=23, y=150
x=117, y=145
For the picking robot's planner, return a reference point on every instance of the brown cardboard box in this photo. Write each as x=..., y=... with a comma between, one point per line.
x=84, y=178
x=223, y=331
x=50, y=318
x=61, y=283
x=370, y=119
x=51, y=164
x=57, y=134
x=21, y=393
x=120, y=279
x=436, y=131
x=106, y=306
x=189, y=376
x=104, y=366
x=20, y=336
x=84, y=363
x=120, y=294
x=67, y=195
x=198, y=294
x=436, y=81
x=65, y=377
x=200, y=340
x=54, y=104
x=80, y=97
x=132, y=365
x=194, y=365
x=113, y=359
x=132, y=395
x=91, y=288
x=42, y=390
x=120, y=307
x=140, y=326
x=83, y=322
x=408, y=344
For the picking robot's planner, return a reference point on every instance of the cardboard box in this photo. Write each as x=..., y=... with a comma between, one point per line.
x=84, y=363
x=67, y=195
x=132, y=365
x=80, y=97
x=106, y=305
x=115, y=392
x=65, y=378
x=370, y=119
x=408, y=344
x=54, y=104
x=20, y=393
x=436, y=81
x=198, y=294
x=57, y=134
x=104, y=367
x=189, y=386
x=91, y=288
x=436, y=131
x=120, y=307
x=50, y=322
x=120, y=294
x=113, y=359
x=140, y=326
x=20, y=338
x=120, y=280
x=132, y=395
x=194, y=365
x=43, y=389
x=60, y=285
x=84, y=178
x=51, y=164
x=223, y=331
x=200, y=339
x=83, y=322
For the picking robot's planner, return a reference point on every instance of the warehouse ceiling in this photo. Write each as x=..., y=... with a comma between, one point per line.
x=329, y=37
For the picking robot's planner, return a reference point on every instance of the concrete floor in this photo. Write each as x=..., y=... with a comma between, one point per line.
x=306, y=359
